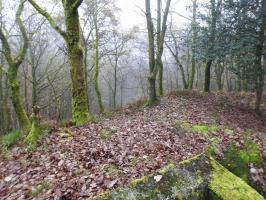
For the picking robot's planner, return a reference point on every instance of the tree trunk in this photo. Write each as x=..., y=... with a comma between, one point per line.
x=159, y=63
x=260, y=67
x=185, y=85
x=161, y=30
x=2, y=123
x=34, y=86
x=16, y=99
x=6, y=109
x=193, y=66
x=215, y=11
x=97, y=65
x=80, y=112
x=207, y=76
x=219, y=70
x=259, y=82
x=80, y=107
x=14, y=65
x=152, y=67
x=115, y=82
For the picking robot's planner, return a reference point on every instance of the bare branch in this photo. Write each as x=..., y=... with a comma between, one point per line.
x=23, y=50
x=76, y=4
x=48, y=17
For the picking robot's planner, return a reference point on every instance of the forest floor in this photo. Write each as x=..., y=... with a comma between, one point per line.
x=81, y=162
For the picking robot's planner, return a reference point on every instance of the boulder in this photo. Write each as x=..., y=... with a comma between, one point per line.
x=198, y=178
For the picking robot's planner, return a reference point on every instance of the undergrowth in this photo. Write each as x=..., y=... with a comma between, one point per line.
x=11, y=139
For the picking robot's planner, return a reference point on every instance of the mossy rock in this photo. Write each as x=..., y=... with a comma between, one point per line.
x=198, y=178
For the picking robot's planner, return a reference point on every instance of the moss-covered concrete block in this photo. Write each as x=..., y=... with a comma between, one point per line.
x=198, y=178
x=226, y=186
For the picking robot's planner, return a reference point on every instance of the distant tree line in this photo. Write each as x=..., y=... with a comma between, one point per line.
x=67, y=60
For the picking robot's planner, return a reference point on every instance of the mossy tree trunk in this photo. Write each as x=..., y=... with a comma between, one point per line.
x=161, y=30
x=156, y=64
x=6, y=108
x=80, y=107
x=97, y=63
x=152, y=67
x=2, y=117
x=14, y=64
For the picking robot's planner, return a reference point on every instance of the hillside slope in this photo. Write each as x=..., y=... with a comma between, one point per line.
x=81, y=162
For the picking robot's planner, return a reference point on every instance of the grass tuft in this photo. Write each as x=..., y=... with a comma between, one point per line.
x=10, y=139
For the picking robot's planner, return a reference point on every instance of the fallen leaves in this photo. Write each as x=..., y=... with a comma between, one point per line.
x=82, y=162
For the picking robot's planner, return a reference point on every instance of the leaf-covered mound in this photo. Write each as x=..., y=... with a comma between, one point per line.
x=82, y=162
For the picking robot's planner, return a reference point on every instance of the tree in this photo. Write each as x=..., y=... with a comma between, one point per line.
x=161, y=31
x=173, y=47
x=80, y=108
x=152, y=67
x=96, y=58
x=215, y=11
x=117, y=50
x=14, y=64
x=194, y=37
x=245, y=25
x=260, y=46
x=155, y=63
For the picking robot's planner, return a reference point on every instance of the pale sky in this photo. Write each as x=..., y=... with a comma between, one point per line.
x=132, y=15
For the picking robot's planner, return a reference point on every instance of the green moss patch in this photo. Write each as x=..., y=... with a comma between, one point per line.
x=195, y=128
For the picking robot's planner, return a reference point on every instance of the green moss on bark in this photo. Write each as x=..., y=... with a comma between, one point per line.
x=17, y=101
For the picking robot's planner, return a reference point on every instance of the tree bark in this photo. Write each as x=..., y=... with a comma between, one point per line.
x=207, y=76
